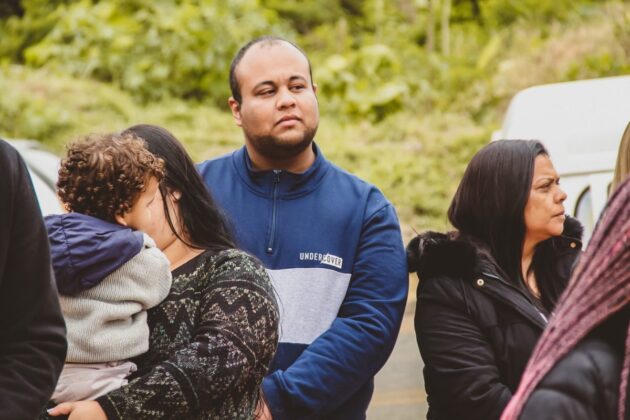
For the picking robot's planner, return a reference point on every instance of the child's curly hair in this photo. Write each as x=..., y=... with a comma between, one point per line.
x=102, y=174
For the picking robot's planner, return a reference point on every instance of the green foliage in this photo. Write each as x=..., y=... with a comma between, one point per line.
x=25, y=111
x=37, y=104
x=305, y=16
x=502, y=12
x=394, y=112
x=363, y=82
x=152, y=49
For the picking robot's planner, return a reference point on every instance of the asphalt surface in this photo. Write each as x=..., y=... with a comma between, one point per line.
x=399, y=388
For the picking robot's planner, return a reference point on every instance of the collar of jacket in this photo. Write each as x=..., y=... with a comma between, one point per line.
x=84, y=249
x=434, y=254
x=283, y=184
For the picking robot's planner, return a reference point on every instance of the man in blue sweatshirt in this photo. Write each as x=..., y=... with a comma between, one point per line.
x=330, y=241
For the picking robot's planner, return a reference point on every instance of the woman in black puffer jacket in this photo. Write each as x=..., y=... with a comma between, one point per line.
x=581, y=367
x=486, y=290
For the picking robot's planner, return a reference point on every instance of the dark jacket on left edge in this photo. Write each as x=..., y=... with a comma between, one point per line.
x=32, y=331
x=475, y=329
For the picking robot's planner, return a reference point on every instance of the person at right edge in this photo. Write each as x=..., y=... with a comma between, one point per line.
x=487, y=289
x=32, y=331
x=331, y=242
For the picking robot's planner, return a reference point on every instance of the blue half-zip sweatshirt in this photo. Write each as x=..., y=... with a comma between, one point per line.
x=333, y=248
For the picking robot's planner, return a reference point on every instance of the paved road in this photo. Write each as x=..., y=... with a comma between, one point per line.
x=399, y=389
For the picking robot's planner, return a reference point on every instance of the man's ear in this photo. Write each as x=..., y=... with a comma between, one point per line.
x=235, y=107
x=314, y=88
x=120, y=220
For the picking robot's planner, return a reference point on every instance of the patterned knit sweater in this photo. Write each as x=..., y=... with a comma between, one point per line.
x=211, y=342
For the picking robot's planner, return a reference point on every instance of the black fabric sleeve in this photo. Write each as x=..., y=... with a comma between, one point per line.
x=32, y=330
x=583, y=385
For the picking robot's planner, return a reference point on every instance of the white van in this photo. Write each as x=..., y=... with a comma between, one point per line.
x=581, y=124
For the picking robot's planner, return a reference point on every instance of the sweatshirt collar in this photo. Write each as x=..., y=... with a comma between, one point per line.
x=286, y=184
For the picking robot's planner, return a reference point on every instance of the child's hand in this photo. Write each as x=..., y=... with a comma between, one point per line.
x=79, y=410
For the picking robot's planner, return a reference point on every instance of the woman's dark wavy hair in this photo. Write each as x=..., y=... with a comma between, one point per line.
x=489, y=204
x=203, y=224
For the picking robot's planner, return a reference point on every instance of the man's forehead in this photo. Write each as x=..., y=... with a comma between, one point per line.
x=270, y=44
x=266, y=52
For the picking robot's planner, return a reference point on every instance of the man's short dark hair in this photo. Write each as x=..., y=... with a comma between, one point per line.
x=267, y=40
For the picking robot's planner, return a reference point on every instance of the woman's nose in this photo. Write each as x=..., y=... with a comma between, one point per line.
x=561, y=195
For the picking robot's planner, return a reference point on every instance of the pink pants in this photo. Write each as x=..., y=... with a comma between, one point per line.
x=88, y=381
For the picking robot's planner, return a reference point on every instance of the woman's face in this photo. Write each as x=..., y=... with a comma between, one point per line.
x=160, y=230
x=544, y=210
x=147, y=215
x=141, y=215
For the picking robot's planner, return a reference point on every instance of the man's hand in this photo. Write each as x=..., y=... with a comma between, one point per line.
x=80, y=410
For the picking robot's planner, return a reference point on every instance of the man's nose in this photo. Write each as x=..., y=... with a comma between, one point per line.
x=285, y=99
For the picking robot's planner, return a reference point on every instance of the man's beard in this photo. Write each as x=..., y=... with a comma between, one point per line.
x=274, y=148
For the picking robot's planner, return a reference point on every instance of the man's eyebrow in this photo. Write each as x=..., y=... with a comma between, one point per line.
x=293, y=78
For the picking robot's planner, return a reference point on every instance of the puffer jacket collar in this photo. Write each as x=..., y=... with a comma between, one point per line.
x=86, y=249
x=451, y=255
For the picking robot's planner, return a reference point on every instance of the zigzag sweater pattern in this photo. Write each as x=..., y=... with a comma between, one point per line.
x=211, y=342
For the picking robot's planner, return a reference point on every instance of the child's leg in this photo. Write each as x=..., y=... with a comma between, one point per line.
x=88, y=381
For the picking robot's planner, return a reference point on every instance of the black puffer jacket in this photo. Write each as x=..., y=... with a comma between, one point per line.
x=475, y=329
x=584, y=385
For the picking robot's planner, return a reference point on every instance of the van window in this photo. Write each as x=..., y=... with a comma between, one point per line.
x=584, y=213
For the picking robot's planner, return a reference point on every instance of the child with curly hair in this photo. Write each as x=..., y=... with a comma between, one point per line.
x=108, y=274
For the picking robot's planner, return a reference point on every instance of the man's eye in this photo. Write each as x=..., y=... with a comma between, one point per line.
x=298, y=87
x=265, y=92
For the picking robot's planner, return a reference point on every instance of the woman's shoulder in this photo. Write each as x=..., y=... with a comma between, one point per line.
x=214, y=271
x=443, y=256
x=446, y=264
x=238, y=259
x=212, y=259
x=592, y=357
x=233, y=264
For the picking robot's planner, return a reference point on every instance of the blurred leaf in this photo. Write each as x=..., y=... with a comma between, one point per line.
x=489, y=52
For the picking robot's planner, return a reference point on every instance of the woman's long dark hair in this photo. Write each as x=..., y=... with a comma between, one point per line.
x=202, y=223
x=489, y=204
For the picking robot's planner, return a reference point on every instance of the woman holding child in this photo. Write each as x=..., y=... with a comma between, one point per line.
x=212, y=338
x=487, y=289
